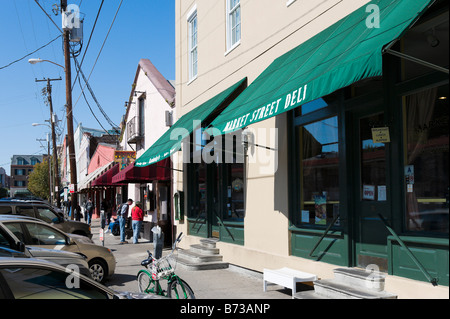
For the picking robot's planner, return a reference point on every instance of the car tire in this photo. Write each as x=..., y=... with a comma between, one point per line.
x=99, y=270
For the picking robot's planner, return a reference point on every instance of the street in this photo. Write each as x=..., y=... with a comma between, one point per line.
x=231, y=283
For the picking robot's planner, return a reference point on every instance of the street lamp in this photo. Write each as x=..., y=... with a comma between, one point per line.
x=38, y=124
x=34, y=61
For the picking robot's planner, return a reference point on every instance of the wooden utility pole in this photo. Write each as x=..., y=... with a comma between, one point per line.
x=70, y=138
x=56, y=179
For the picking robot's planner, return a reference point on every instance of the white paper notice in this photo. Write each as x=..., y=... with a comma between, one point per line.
x=382, y=193
x=305, y=216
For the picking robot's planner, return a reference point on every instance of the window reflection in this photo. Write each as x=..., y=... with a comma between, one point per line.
x=319, y=172
x=426, y=171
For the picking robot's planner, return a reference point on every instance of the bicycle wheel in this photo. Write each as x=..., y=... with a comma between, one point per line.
x=146, y=284
x=179, y=289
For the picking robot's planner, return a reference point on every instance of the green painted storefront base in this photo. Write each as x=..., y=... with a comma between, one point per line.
x=331, y=250
x=230, y=232
x=432, y=253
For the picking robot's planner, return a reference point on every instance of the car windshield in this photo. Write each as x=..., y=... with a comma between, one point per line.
x=47, y=215
x=37, y=283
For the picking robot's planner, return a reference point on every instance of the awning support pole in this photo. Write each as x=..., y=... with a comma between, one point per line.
x=416, y=60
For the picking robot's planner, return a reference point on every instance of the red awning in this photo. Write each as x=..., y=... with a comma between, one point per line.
x=131, y=174
x=107, y=178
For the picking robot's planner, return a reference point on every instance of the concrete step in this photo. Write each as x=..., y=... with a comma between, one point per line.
x=202, y=249
x=195, y=257
x=203, y=256
x=357, y=277
x=309, y=294
x=195, y=266
x=333, y=289
x=209, y=242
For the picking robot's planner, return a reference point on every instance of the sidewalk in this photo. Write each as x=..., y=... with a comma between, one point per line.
x=231, y=283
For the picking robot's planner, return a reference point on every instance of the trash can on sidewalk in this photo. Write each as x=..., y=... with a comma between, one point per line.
x=147, y=231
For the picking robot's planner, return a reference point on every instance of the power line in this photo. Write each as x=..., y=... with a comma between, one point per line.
x=113, y=125
x=89, y=41
x=48, y=16
x=3, y=67
x=101, y=49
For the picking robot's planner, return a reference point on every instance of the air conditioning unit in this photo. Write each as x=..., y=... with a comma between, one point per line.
x=169, y=118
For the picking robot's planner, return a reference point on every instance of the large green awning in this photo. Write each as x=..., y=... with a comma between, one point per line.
x=171, y=140
x=348, y=51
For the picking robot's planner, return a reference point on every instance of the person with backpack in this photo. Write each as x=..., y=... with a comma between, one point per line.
x=122, y=214
x=89, y=209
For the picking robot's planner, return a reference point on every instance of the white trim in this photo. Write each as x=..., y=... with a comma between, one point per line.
x=289, y=2
x=191, y=12
x=230, y=46
x=193, y=16
x=192, y=80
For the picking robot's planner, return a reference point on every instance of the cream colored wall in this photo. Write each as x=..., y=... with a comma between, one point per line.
x=269, y=29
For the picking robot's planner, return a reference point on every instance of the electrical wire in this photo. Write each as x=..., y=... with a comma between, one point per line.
x=101, y=49
x=48, y=16
x=3, y=67
x=89, y=41
x=113, y=125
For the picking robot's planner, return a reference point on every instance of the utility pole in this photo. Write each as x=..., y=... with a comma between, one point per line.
x=56, y=180
x=70, y=138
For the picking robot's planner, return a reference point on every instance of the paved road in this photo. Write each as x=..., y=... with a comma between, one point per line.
x=231, y=283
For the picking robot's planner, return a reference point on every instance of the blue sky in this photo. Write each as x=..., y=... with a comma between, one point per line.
x=142, y=29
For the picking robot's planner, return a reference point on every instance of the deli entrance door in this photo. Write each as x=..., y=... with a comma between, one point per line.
x=371, y=185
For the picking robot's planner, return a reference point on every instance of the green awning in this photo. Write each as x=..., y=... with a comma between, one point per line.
x=347, y=52
x=171, y=140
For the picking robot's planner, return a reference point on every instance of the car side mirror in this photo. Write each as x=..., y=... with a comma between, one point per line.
x=20, y=246
x=70, y=241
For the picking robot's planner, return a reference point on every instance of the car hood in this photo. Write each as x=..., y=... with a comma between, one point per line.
x=76, y=223
x=40, y=253
x=81, y=239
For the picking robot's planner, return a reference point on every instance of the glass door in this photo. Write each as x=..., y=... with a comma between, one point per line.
x=371, y=188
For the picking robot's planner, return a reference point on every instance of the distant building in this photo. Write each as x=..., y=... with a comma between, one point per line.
x=21, y=168
x=3, y=178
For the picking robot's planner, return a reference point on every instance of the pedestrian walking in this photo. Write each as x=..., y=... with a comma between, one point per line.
x=78, y=213
x=123, y=215
x=137, y=216
x=89, y=208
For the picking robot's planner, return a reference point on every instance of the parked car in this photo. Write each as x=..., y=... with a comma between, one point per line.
x=29, y=278
x=46, y=213
x=36, y=233
x=63, y=258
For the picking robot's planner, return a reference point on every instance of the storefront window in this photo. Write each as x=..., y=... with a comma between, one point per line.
x=319, y=172
x=426, y=164
x=235, y=192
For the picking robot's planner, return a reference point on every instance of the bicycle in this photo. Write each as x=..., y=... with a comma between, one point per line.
x=163, y=269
